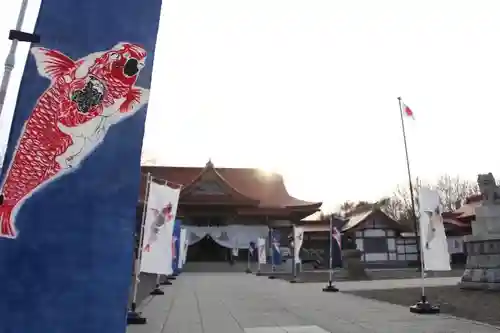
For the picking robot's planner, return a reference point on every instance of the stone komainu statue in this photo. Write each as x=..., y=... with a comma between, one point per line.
x=489, y=189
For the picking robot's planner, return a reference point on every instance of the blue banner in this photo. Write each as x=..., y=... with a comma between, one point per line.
x=336, y=248
x=275, y=248
x=176, y=246
x=70, y=181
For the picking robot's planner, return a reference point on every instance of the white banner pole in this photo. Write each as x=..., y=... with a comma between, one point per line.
x=429, y=205
x=422, y=264
x=157, y=291
x=271, y=243
x=330, y=260
x=330, y=287
x=258, y=257
x=294, y=260
x=248, y=270
x=133, y=315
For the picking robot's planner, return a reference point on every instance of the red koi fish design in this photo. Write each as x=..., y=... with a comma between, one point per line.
x=162, y=217
x=70, y=119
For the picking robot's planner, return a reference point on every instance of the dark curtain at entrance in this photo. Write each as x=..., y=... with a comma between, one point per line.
x=207, y=250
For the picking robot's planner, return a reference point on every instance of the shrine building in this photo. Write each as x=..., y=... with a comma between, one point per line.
x=225, y=208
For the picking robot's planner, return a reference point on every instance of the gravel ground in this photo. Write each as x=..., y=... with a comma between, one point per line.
x=482, y=306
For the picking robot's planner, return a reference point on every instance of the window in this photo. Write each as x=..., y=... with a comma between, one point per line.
x=375, y=245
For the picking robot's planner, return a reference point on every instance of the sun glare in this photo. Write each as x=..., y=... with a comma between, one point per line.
x=268, y=171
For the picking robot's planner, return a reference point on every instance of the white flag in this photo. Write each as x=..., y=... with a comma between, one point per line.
x=158, y=228
x=432, y=235
x=182, y=247
x=298, y=238
x=261, y=247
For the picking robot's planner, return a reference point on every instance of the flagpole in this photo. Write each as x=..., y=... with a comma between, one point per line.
x=133, y=317
x=157, y=290
x=272, y=255
x=410, y=184
x=11, y=57
x=423, y=306
x=330, y=287
x=172, y=276
x=294, y=260
x=258, y=259
x=248, y=270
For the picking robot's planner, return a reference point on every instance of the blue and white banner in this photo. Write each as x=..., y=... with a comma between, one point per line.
x=336, y=247
x=298, y=238
x=275, y=248
x=261, y=248
x=176, y=240
x=252, y=248
x=434, y=245
x=183, y=248
x=70, y=179
x=158, y=246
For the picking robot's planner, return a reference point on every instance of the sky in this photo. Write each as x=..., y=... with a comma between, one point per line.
x=309, y=89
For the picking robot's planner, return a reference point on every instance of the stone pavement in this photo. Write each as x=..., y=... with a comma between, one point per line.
x=239, y=303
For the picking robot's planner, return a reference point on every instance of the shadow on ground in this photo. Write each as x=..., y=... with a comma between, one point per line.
x=381, y=274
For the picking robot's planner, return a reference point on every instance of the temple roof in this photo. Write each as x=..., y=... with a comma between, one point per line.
x=360, y=217
x=266, y=190
x=467, y=211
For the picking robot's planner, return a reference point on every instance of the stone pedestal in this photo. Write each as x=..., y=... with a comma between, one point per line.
x=353, y=267
x=483, y=251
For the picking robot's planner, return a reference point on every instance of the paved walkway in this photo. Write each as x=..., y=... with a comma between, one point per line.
x=238, y=303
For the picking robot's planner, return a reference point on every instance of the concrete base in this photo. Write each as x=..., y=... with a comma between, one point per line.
x=482, y=270
x=481, y=279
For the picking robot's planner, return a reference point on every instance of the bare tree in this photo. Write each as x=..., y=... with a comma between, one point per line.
x=399, y=206
x=453, y=191
x=346, y=208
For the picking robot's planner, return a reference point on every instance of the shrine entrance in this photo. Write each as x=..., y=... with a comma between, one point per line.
x=207, y=250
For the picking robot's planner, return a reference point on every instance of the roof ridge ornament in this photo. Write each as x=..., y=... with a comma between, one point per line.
x=209, y=164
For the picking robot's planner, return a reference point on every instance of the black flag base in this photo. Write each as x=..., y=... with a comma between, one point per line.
x=271, y=277
x=248, y=271
x=424, y=307
x=330, y=288
x=157, y=291
x=134, y=318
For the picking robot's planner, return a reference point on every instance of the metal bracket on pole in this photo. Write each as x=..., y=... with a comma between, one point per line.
x=24, y=36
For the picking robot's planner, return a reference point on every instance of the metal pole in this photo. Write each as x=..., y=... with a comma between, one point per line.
x=422, y=274
x=330, y=263
x=11, y=57
x=414, y=216
x=139, y=250
x=330, y=287
x=294, y=260
x=272, y=255
x=248, y=260
x=272, y=250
